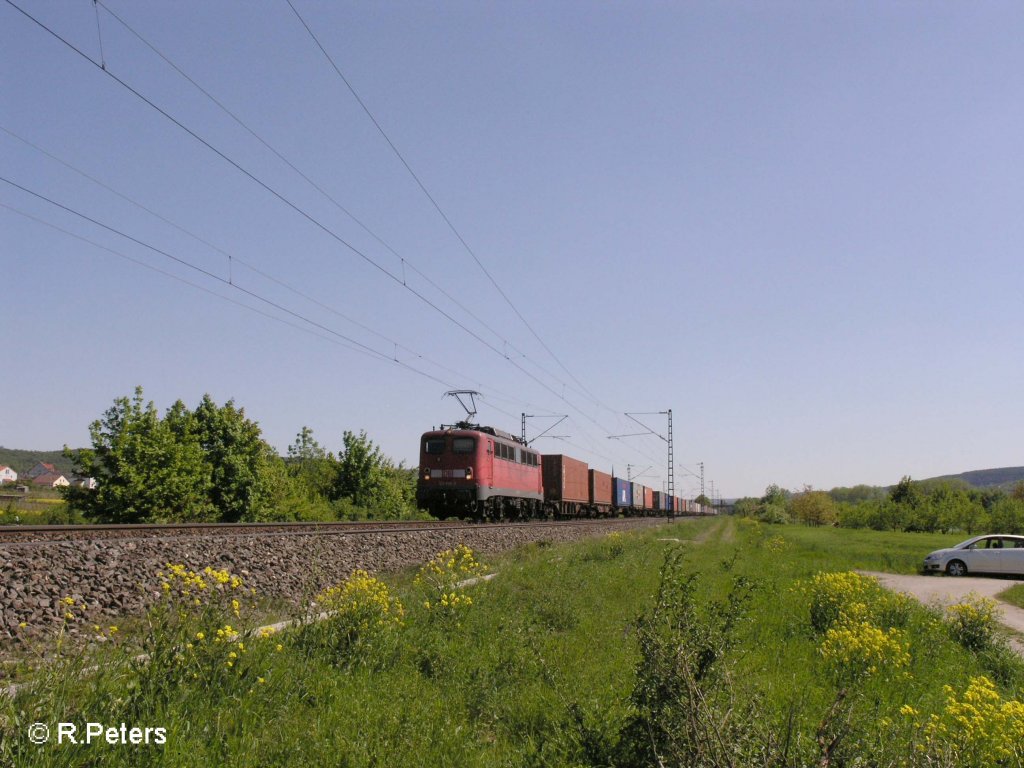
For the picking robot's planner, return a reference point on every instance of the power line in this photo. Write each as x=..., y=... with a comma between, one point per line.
x=256, y=179
x=434, y=202
x=218, y=278
x=334, y=336
x=178, y=278
x=349, y=343
x=305, y=215
x=330, y=198
x=297, y=209
x=234, y=258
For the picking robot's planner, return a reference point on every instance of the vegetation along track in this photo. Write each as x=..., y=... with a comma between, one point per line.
x=111, y=576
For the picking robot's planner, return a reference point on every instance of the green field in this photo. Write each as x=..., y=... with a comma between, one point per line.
x=575, y=655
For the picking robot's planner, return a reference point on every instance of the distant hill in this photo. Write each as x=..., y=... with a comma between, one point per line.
x=1005, y=477
x=22, y=461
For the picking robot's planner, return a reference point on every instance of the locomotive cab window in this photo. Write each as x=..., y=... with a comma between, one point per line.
x=463, y=444
x=433, y=445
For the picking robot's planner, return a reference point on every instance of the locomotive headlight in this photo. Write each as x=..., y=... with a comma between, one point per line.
x=426, y=474
x=469, y=473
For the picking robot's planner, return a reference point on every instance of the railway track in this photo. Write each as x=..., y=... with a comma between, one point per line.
x=113, y=569
x=21, y=534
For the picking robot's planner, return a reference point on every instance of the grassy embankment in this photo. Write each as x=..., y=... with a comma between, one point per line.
x=1014, y=595
x=551, y=664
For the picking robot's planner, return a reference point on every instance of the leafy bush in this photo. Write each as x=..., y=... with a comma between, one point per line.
x=978, y=729
x=854, y=650
x=686, y=713
x=361, y=614
x=972, y=622
x=443, y=580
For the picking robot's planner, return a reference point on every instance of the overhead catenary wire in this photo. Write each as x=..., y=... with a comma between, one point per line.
x=220, y=279
x=178, y=278
x=561, y=396
x=340, y=338
x=404, y=261
x=437, y=206
x=419, y=182
x=492, y=392
x=299, y=210
x=236, y=259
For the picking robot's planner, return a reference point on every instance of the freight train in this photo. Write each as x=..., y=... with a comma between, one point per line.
x=481, y=473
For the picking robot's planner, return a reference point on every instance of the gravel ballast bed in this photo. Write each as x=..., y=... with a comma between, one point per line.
x=118, y=577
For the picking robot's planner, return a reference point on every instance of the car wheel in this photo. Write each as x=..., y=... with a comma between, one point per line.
x=956, y=568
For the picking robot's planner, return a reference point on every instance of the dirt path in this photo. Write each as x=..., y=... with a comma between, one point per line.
x=945, y=590
x=724, y=530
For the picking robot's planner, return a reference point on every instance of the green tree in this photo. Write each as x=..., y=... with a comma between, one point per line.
x=945, y=507
x=971, y=517
x=210, y=464
x=305, y=447
x=314, y=469
x=360, y=462
x=813, y=507
x=238, y=457
x=772, y=508
x=145, y=471
x=1007, y=515
x=1018, y=491
x=858, y=493
x=906, y=492
x=370, y=480
x=746, y=507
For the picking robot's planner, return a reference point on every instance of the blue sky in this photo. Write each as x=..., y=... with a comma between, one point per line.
x=798, y=225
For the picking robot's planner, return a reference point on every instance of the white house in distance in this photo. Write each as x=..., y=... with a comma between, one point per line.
x=7, y=475
x=51, y=480
x=46, y=474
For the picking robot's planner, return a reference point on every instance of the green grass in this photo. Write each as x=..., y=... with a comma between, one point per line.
x=539, y=671
x=1014, y=595
x=892, y=552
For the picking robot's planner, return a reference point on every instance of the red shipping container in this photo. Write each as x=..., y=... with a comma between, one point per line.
x=565, y=478
x=600, y=487
x=648, y=498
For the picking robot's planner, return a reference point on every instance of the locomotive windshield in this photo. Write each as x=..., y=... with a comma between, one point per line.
x=463, y=444
x=434, y=445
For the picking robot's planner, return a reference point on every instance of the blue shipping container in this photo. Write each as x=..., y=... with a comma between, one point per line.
x=622, y=492
x=638, y=495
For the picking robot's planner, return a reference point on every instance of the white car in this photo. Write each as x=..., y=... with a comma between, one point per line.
x=993, y=553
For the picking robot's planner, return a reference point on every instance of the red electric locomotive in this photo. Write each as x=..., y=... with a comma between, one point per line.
x=480, y=473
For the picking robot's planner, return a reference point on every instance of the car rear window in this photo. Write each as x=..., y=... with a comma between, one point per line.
x=433, y=445
x=464, y=444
